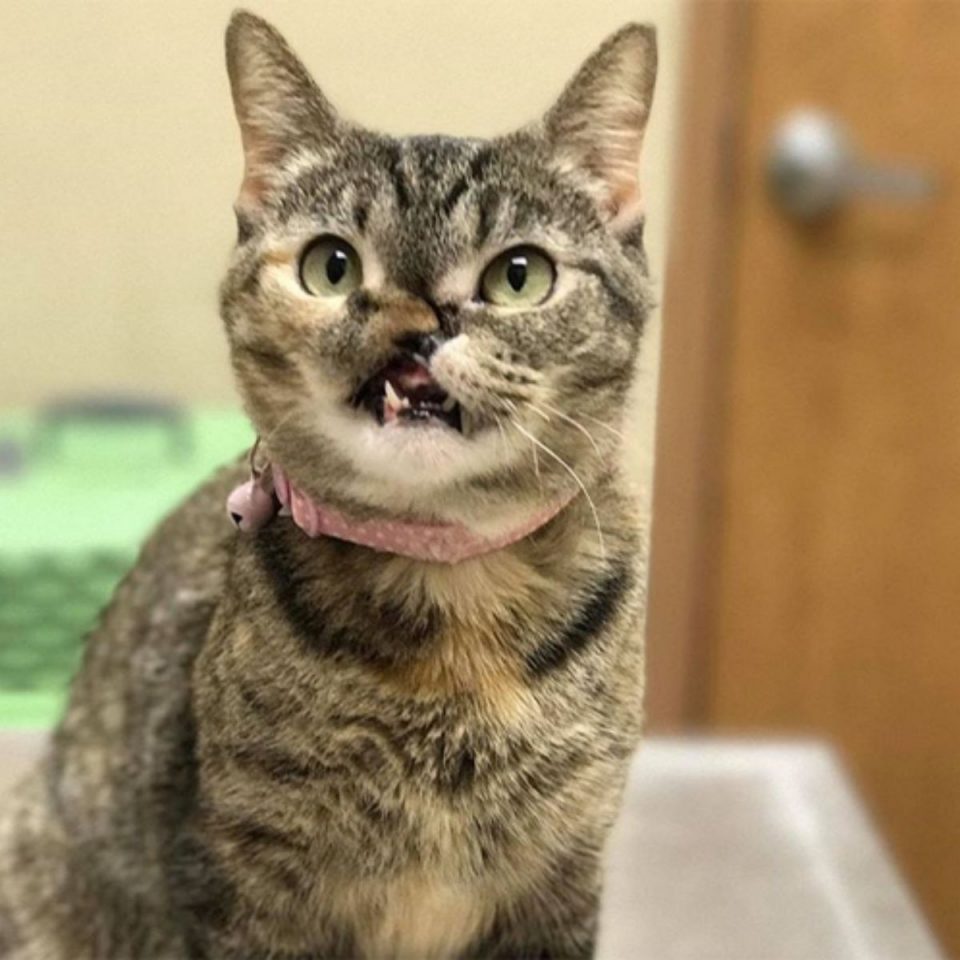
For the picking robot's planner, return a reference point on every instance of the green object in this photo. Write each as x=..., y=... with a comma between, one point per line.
x=81, y=487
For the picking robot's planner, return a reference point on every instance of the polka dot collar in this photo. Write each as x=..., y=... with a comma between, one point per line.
x=436, y=542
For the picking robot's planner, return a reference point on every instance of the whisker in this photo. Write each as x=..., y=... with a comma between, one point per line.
x=536, y=469
x=283, y=421
x=606, y=426
x=575, y=423
x=573, y=473
x=503, y=436
x=263, y=443
x=533, y=449
x=570, y=420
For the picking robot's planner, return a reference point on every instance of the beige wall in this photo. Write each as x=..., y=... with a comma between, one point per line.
x=120, y=159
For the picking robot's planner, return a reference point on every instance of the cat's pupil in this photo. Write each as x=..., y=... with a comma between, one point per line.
x=517, y=273
x=336, y=266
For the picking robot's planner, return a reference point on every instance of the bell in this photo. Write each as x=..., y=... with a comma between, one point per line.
x=250, y=506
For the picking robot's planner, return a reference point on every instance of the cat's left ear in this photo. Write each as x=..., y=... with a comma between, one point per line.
x=596, y=128
x=279, y=107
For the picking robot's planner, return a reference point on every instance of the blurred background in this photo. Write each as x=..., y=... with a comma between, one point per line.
x=804, y=233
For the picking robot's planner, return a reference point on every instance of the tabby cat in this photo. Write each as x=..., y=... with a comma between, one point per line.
x=394, y=720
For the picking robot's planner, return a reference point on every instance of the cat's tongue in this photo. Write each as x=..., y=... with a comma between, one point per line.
x=410, y=393
x=407, y=375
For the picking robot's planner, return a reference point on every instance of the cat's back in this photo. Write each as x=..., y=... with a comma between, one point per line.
x=159, y=613
x=117, y=766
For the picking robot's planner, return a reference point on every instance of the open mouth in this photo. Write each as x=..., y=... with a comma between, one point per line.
x=405, y=392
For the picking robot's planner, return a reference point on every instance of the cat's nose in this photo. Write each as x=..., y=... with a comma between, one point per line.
x=421, y=344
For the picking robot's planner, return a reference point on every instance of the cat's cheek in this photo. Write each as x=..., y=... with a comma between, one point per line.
x=323, y=400
x=281, y=285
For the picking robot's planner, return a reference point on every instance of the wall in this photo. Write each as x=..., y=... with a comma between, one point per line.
x=120, y=159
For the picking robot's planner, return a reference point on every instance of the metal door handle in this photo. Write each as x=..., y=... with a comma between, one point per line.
x=813, y=168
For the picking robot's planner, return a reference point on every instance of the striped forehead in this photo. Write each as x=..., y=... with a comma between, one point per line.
x=413, y=177
x=420, y=200
x=437, y=192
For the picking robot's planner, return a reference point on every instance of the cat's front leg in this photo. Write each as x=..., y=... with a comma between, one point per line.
x=573, y=940
x=556, y=921
x=525, y=951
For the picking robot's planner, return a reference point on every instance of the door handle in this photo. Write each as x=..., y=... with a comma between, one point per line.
x=814, y=168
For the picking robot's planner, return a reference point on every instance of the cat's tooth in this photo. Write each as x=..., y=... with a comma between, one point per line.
x=390, y=395
x=449, y=404
x=404, y=403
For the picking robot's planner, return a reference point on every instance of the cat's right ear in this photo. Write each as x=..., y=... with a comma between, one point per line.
x=596, y=128
x=278, y=105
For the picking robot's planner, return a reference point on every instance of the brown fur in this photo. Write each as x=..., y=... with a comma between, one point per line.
x=280, y=748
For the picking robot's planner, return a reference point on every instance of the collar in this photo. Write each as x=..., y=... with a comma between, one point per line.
x=437, y=542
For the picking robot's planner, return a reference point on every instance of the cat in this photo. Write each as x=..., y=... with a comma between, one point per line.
x=392, y=719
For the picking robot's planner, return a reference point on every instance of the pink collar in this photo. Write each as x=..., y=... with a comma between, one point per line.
x=439, y=542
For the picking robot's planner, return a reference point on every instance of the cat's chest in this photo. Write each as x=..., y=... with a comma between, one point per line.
x=388, y=783
x=378, y=769
x=383, y=797
x=403, y=821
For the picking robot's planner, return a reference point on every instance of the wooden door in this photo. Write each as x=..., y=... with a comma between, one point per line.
x=828, y=518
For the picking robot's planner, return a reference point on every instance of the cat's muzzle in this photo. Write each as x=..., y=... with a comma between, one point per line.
x=405, y=392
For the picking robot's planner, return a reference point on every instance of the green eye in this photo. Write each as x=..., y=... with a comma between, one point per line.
x=521, y=277
x=330, y=267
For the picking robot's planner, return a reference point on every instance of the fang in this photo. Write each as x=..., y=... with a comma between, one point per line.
x=390, y=395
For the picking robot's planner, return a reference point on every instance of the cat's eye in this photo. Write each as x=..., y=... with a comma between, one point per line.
x=519, y=277
x=330, y=267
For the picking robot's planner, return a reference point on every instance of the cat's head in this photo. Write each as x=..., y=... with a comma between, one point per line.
x=423, y=319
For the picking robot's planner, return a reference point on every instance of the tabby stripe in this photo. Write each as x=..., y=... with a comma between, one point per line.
x=453, y=196
x=489, y=208
x=478, y=164
x=399, y=180
x=250, y=284
x=544, y=776
x=245, y=229
x=587, y=624
x=360, y=214
x=457, y=772
x=250, y=834
x=587, y=380
x=623, y=303
x=362, y=303
x=276, y=855
x=253, y=699
x=264, y=355
x=303, y=616
x=276, y=764
x=378, y=733
x=480, y=161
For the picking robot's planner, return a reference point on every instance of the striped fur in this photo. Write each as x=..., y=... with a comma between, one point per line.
x=299, y=749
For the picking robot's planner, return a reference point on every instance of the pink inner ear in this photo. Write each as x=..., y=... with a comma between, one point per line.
x=626, y=202
x=623, y=177
x=251, y=193
x=257, y=159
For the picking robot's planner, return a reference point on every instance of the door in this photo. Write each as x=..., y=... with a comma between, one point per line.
x=823, y=559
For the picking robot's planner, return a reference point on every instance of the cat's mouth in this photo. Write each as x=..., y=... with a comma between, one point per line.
x=404, y=392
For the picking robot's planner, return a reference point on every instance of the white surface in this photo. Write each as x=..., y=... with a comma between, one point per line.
x=745, y=851
x=732, y=851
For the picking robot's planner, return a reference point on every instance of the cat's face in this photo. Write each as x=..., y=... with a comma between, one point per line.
x=413, y=316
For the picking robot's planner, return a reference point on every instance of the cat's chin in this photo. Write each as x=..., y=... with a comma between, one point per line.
x=417, y=455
